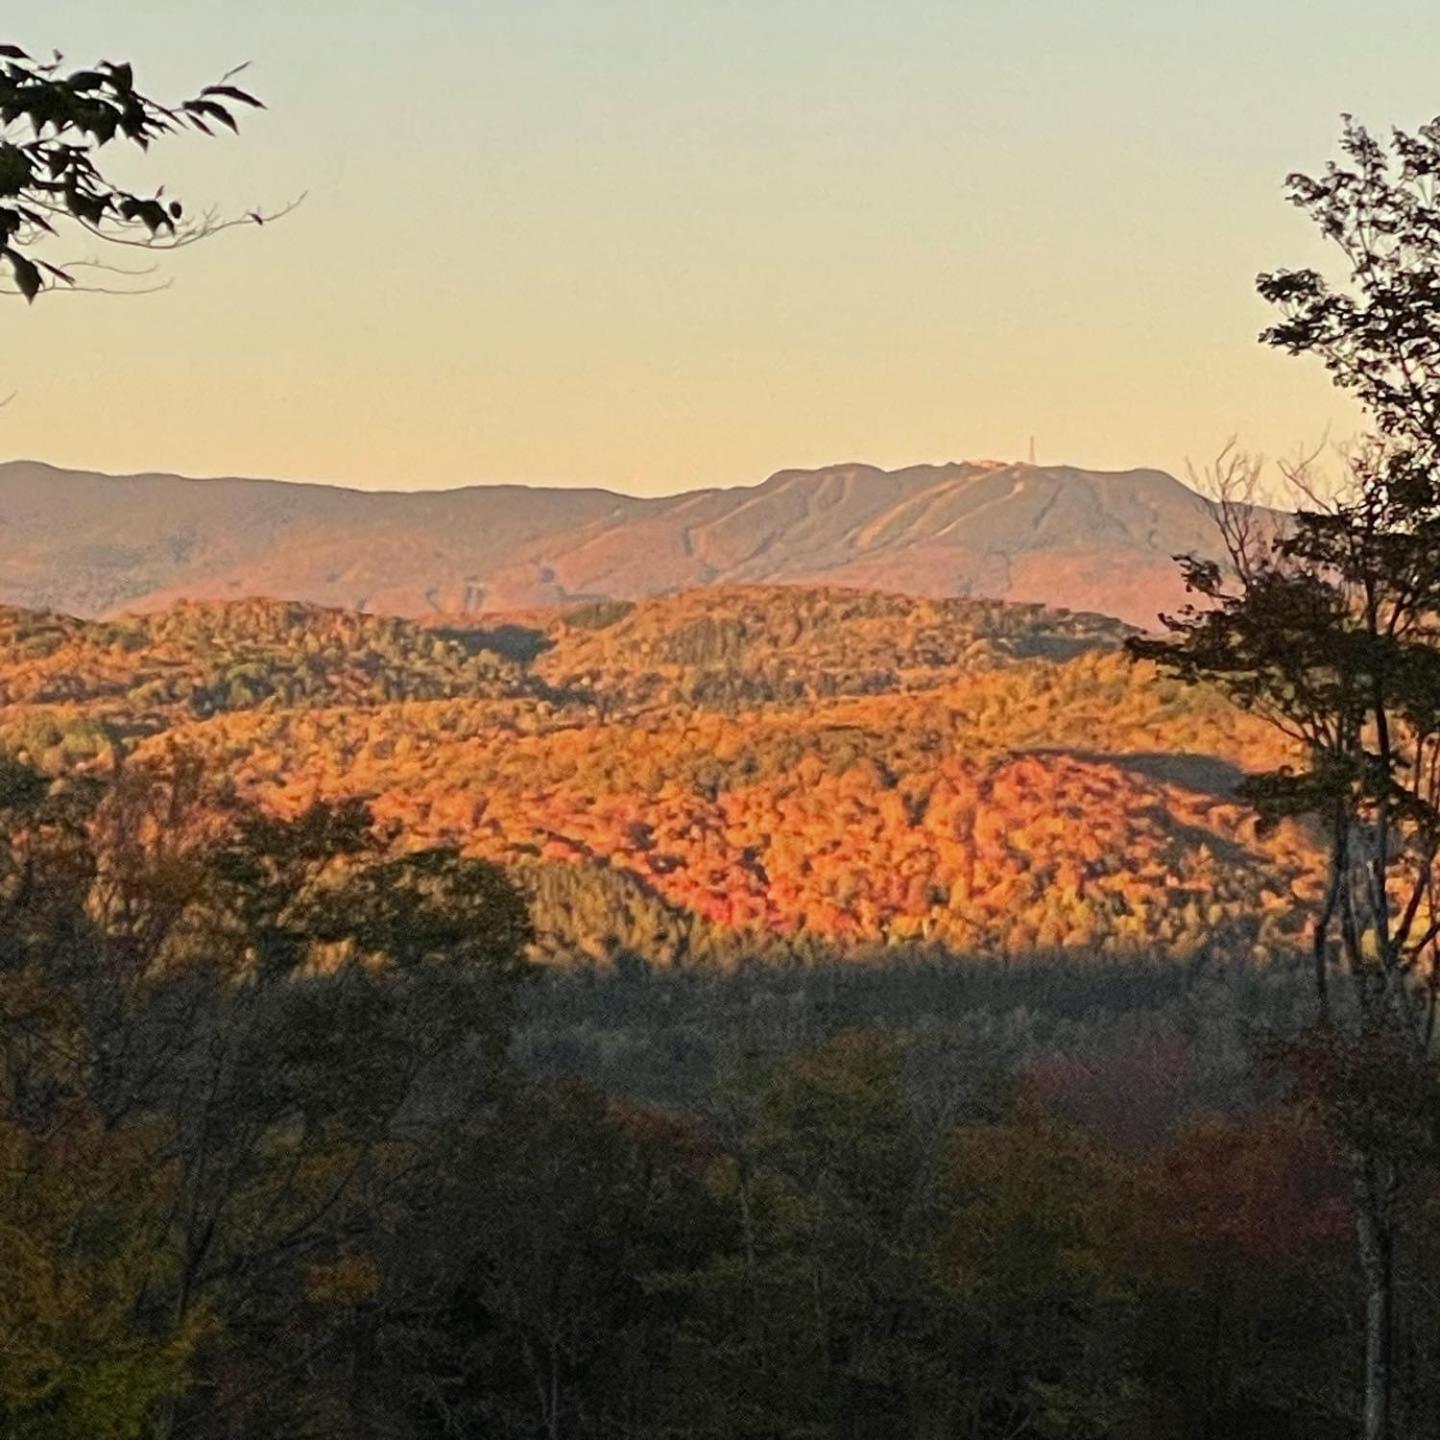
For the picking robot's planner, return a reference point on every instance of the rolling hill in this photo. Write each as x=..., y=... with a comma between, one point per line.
x=97, y=545
x=723, y=774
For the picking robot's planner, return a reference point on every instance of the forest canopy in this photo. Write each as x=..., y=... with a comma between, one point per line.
x=719, y=773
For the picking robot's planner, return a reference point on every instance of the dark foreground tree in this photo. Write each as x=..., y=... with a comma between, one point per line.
x=236, y=1052
x=54, y=124
x=1328, y=623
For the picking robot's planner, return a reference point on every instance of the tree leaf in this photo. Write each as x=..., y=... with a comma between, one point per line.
x=232, y=92
x=27, y=274
x=213, y=109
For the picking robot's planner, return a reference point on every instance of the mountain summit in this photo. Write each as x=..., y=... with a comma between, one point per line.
x=93, y=544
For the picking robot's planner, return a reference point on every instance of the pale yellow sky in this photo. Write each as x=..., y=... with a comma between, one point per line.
x=649, y=246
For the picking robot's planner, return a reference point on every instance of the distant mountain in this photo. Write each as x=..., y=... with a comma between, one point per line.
x=92, y=544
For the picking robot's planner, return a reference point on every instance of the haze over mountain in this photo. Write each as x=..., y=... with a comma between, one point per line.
x=92, y=544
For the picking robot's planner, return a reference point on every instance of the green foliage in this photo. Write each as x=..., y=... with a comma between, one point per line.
x=82, y=686
x=599, y=615
x=730, y=647
x=609, y=916
x=75, y=1363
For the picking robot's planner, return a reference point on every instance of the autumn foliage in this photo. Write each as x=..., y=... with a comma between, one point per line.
x=721, y=772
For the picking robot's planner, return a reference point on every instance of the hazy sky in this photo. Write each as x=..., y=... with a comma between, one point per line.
x=654, y=244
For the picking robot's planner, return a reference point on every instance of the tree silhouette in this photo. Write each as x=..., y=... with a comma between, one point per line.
x=54, y=126
x=1328, y=624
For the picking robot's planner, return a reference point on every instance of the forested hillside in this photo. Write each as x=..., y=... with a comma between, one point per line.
x=721, y=774
x=145, y=672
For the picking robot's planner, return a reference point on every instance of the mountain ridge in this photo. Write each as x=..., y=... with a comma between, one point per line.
x=93, y=544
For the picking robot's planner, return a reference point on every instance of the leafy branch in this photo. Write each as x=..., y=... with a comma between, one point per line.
x=53, y=126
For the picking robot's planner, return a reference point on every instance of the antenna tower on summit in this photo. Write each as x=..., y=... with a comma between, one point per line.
x=1032, y=449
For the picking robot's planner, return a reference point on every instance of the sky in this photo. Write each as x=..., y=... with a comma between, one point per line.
x=662, y=244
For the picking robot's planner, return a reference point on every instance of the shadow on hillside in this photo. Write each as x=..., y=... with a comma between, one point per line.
x=1058, y=648
x=520, y=643
x=1205, y=774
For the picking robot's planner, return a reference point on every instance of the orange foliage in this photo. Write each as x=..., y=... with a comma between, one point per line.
x=862, y=768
